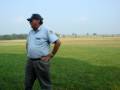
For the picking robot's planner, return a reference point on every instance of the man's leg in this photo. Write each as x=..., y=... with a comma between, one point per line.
x=29, y=75
x=42, y=70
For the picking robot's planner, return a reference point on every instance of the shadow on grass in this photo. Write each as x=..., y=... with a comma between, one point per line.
x=66, y=73
x=73, y=74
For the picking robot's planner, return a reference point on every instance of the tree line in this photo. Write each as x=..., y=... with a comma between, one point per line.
x=73, y=35
x=13, y=36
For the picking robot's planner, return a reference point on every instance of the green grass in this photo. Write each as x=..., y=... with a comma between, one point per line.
x=81, y=64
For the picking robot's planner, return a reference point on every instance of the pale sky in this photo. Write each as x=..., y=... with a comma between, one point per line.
x=62, y=16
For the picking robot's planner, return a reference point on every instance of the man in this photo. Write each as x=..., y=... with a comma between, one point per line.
x=39, y=54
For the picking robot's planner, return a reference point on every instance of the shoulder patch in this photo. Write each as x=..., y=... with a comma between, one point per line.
x=50, y=31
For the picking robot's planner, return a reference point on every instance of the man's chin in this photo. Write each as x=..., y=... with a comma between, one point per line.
x=35, y=29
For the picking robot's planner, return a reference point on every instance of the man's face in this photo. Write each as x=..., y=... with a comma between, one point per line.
x=35, y=24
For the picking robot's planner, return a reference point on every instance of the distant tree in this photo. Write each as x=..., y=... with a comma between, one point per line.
x=87, y=34
x=74, y=34
x=94, y=34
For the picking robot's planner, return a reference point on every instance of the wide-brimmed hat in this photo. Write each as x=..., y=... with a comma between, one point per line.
x=35, y=16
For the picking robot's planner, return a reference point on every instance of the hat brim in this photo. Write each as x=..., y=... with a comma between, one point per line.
x=29, y=19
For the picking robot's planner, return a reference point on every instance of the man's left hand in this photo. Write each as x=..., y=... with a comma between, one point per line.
x=46, y=58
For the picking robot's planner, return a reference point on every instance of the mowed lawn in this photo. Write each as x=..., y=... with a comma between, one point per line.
x=86, y=63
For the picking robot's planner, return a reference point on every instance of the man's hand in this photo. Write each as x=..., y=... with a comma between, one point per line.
x=47, y=58
x=55, y=49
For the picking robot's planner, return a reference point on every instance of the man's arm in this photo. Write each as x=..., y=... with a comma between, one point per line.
x=56, y=47
x=54, y=50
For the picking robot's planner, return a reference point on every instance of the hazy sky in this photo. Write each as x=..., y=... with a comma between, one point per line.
x=62, y=16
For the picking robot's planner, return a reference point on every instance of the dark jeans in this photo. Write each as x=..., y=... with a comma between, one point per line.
x=37, y=70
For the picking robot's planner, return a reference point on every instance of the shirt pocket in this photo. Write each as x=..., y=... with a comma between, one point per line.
x=39, y=40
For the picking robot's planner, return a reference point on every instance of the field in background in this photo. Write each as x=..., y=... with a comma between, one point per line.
x=81, y=64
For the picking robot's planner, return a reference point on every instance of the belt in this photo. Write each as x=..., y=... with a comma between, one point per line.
x=35, y=59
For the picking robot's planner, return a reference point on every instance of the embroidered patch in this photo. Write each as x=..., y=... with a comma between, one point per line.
x=51, y=31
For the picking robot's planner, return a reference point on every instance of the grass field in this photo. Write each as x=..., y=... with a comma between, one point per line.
x=81, y=64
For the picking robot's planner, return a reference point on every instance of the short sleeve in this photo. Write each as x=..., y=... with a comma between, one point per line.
x=52, y=37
